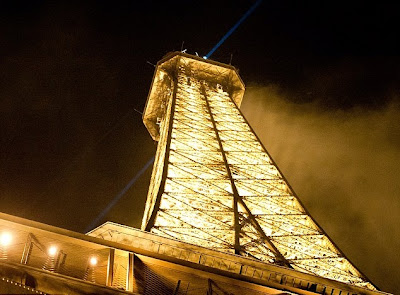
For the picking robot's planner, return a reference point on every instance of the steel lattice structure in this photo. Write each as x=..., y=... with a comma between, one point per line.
x=213, y=182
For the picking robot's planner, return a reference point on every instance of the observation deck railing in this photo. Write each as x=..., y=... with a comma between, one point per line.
x=53, y=250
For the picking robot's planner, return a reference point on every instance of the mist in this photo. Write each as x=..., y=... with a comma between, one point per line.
x=344, y=165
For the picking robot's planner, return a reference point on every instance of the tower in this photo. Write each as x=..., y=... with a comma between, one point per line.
x=213, y=182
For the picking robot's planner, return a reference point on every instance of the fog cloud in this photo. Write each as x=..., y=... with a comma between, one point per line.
x=345, y=166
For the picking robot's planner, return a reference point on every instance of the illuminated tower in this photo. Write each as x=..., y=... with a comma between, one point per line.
x=213, y=182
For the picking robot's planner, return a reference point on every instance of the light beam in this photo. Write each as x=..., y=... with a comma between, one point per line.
x=119, y=196
x=246, y=15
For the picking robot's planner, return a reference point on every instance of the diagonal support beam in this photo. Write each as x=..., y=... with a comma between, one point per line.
x=234, y=189
x=153, y=215
x=237, y=198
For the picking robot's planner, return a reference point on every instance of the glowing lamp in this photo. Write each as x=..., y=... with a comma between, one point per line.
x=93, y=261
x=5, y=239
x=52, y=251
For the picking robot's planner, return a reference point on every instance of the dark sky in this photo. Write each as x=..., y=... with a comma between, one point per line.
x=323, y=94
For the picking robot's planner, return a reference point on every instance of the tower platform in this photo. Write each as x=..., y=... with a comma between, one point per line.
x=132, y=261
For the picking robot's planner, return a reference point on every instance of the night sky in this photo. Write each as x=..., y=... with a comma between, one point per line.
x=322, y=79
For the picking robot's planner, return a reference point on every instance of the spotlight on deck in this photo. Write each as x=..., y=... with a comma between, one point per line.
x=52, y=251
x=93, y=261
x=90, y=274
x=5, y=239
x=50, y=264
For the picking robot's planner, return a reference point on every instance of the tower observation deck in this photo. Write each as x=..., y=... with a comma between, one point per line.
x=214, y=183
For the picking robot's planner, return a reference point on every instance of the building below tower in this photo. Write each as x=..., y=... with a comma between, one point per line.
x=116, y=259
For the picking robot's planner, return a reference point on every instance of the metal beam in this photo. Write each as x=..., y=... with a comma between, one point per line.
x=110, y=268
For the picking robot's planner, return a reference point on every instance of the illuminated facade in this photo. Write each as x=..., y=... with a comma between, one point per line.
x=114, y=259
x=213, y=182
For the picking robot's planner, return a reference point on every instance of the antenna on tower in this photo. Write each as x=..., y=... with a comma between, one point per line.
x=150, y=63
x=183, y=42
x=230, y=61
x=137, y=111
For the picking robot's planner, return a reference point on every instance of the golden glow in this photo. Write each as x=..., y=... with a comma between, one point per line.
x=93, y=261
x=210, y=152
x=52, y=251
x=5, y=239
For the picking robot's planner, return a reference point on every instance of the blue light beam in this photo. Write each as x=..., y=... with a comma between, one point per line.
x=119, y=196
x=246, y=15
x=134, y=179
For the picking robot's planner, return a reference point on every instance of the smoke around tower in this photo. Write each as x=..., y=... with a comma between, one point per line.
x=326, y=156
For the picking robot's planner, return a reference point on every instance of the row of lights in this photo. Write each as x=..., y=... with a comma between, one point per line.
x=6, y=239
x=53, y=251
x=22, y=286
